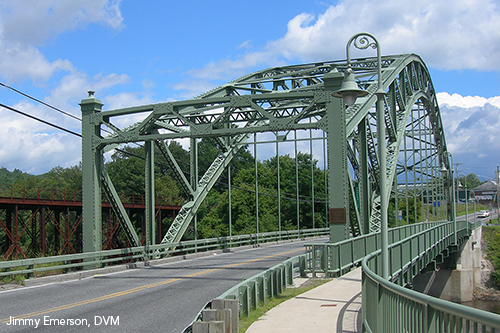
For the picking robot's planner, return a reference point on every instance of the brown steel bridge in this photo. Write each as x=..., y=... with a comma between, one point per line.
x=39, y=222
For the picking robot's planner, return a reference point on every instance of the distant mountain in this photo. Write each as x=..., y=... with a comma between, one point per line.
x=10, y=177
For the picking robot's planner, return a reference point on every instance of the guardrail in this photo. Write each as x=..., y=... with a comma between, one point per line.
x=68, y=262
x=338, y=258
x=413, y=247
x=389, y=307
x=255, y=291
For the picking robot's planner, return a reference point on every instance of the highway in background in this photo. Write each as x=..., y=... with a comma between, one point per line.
x=163, y=298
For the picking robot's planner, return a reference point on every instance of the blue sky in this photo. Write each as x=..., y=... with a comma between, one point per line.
x=140, y=52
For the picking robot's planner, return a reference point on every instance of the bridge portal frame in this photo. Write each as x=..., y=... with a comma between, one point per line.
x=277, y=100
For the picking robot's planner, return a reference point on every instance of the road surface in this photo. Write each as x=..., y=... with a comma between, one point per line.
x=163, y=298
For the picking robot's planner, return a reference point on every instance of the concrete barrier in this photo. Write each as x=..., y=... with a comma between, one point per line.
x=222, y=318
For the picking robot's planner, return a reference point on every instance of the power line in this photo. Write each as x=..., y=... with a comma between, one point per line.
x=39, y=101
x=40, y=120
x=47, y=105
x=79, y=135
x=56, y=109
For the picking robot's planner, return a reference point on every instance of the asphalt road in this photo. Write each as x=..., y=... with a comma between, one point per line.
x=484, y=220
x=163, y=298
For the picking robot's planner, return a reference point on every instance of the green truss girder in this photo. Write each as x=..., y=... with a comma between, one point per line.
x=285, y=99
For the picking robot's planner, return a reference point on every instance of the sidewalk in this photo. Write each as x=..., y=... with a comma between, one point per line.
x=332, y=307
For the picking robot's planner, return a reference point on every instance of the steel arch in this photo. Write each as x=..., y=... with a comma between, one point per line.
x=280, y=99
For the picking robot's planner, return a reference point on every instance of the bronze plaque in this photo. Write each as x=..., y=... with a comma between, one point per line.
x=337, y=215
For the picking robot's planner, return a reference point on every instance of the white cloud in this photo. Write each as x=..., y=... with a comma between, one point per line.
x=193, y=88
x=49, y=18
x=37, y=147
x=471, y=126
x=21, y=59
x=246, y=44
x=225, y=68
x=463, y=34
x=466, y=101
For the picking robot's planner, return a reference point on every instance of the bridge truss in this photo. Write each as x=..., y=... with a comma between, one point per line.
x=282, y=100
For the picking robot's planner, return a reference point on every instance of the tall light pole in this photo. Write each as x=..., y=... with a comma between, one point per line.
x=349, y=92
x=454, y=211
x=466, y=200
x=474, y=193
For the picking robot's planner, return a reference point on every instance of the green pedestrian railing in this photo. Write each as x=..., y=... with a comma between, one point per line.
x=257, y=290
x=331, y=259
x=30, y=267
x=387, y=305
x=390, y=307
x=335, y=259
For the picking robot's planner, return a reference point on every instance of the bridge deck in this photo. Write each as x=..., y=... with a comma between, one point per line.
x=332, y=307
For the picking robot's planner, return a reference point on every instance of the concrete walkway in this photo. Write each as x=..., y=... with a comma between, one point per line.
x=332, y=307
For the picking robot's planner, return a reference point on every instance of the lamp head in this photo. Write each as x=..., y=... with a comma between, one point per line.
x=349, y=91
x=443, y=170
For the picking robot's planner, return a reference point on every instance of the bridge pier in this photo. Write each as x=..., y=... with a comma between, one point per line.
x=457, y=276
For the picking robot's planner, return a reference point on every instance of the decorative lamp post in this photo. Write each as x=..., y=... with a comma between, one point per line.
x=474, y=194
x=466, y=200
x=454, y=211
x=349, y=92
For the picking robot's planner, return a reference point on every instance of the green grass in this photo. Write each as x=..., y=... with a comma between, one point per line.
x=491, y=237
x=255, y=314
x=461, y=208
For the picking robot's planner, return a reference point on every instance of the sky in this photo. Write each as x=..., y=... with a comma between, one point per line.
x=135, y=52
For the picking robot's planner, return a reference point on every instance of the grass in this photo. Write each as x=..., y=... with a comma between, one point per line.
x=255, y=314
x=491, y=238
x=461, y=208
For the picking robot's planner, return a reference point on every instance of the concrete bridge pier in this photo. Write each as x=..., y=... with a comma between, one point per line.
x=458, y=275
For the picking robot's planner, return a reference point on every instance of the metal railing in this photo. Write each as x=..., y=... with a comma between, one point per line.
x=389, y=307
x=255, y=291
x=338, y=258
x=23, y=194
x=32, y=266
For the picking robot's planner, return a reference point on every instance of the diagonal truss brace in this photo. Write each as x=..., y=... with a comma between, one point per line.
x=116, y=204
x=172, y=163
x=189, y=209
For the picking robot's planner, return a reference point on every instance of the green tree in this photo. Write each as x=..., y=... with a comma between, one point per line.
x=8, y=178
x=411, y=212
x=471, y=180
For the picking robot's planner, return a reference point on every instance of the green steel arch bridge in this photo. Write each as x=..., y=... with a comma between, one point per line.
x=383, y=139
x=286, y=101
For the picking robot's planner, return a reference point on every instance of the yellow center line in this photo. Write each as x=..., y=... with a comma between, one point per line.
x=141, y=288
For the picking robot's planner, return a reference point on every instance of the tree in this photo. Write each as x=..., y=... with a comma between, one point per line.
x=471, y=180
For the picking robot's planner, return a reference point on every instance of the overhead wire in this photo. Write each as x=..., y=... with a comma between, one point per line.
x=39, y=101
x=40, y=120
x=79, y=135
